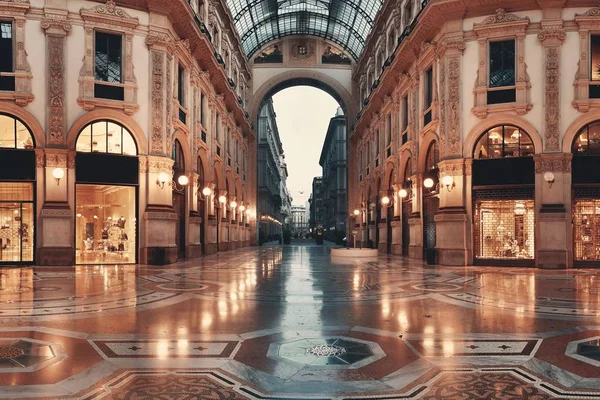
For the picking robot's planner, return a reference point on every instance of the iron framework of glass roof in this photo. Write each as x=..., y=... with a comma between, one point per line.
x=345, y=22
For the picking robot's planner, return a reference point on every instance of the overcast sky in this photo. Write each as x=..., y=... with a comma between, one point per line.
x=303, y=115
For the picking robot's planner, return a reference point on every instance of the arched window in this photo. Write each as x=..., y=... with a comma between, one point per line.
x=407, y=171
x=433, y=156
x=177, y=156
x=504, y=141
x=106, y=137
x=587, y=141
x=14, y=134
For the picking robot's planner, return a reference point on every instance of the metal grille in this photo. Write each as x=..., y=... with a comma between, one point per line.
x=430, y=208
x=406, y=211
x=586, y=224
x=515, y=193
x=504, y=229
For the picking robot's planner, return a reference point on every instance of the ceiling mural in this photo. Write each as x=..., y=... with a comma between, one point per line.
x=345, y=22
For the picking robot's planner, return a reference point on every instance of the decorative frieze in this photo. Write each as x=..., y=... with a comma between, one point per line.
x=54, y=159
x=552, y=163
x=159, y=164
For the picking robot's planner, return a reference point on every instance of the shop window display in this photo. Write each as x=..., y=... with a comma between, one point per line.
x=16, y=222
x=586, y=223
x=504, y=141
x=105, y=224
x=505, y=229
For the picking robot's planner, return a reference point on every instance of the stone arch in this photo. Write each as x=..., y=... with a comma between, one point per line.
x=185, y=146
x=229, y=185
x=405, y=162
x=501, y=119
x=28, y=119
x=203, y=157
x=429, y=138
x=390, y=168
x=111, y=115
x=306, y=77
x=576, y=126
x=367, y=195
x=218, y=178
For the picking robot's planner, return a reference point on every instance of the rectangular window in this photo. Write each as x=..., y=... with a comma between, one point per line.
x=595, y=57
x=105, y=227
x=502, y=64
x=108, y=67
x=108, y=57
x=404, y=113
x=181, y=85
x=202, y=109
x=408, y=9
x=181, y=93
x=428, y=88
x=6, y=61
x=427, y=117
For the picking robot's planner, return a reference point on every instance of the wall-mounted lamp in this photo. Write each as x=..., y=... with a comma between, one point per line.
x=356, y=212
x=242, y=208
x=58, y=174
x=428, y=183
x=233, y=204
x=162, y=179
x=204, y=193
x=222, y=199
x=448, y=181
x=183, y=180
x=403, y=193
x=372, y=206
x=549, y=177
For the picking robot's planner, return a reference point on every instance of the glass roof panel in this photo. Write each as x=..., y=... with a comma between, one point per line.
x=346, y=22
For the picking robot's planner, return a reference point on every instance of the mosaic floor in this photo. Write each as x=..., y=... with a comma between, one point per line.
x=289, y=323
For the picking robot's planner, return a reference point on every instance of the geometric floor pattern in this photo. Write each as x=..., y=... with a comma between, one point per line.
x=288, y=323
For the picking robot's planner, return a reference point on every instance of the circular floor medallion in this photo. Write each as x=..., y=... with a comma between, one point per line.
x=436, y=287
x=326, y=350
x=182, y=286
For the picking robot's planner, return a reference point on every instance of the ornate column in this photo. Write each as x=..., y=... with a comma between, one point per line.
x=56, y=228
x=452, y=224
x=553, y=245
x=210, y=247
x=396, y=221
x=415, y=221
x=553, y=239
x=194, y=245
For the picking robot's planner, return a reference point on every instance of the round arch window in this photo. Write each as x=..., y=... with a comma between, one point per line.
x=433, y=156
x=106, y=137
x=14, y=134
x=503, y=141
x=587, y=141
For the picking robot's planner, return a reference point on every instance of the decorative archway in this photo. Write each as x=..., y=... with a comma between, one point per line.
x=28, y=119
x=185, y=147
x=502, y=119
x=302, y=77
x=110, y=115
x=576, y=126
x=426, y=142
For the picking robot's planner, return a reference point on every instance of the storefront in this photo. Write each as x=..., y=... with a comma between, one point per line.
x=586, y=195
x=406, y=196
x=106, y=195
x=179, y=189
x=431, y=201
x=17, y=192
x=503, y=197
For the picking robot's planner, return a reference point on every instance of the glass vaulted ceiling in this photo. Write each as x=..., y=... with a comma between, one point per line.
x=346, y=22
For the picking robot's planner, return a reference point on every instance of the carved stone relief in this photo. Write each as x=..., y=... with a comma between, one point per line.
x=158, y=103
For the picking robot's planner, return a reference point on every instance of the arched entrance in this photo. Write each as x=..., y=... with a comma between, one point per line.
x=407, y=206
x=179, y=198
x=431, y=201
x=17, y=191
x=106, y=194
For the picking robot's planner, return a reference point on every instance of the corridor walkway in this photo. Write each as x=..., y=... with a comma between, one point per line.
x=284, y=322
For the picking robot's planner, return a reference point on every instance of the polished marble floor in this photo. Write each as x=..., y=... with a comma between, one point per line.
x=290, y=323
